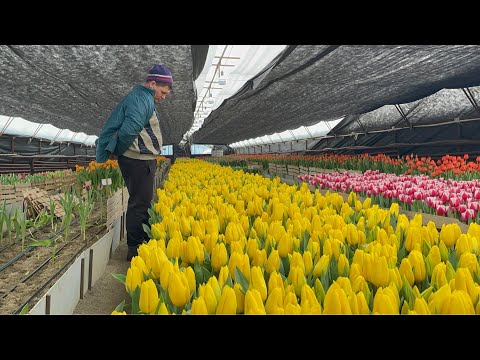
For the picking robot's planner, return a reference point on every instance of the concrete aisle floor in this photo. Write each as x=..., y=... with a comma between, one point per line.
x=107, y=292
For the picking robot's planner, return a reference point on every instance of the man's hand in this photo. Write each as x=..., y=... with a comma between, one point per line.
x=112, y=156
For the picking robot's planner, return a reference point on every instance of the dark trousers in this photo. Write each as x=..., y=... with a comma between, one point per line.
x=139, y=176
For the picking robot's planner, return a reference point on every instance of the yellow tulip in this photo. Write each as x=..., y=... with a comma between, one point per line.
x=115, y=312
x=240, y=298
x=258, y=282
x=252, y=247
x=178, y=289
x=336, y=301
x=418, y=264
x=379, y=274
x=219, y=256
x=449, y=234
x=138, y=262
x=406, y=271
x=362, y=305
x=434, y=257
x=352, y=199
x=274, y=301
x=167, y=271
x=297, y=260
x=215, y=286
x=443, y=251
x=343, y=265
x=351, y=234
x=439, y=300
x=209, y=297
x=148, y=297
x=133, y=280
x=296, y=277
x=227, y=304
x=469, y=261
x=293, y=309
x=285, y=245
x=223, y=276
x=462, y=245
x=190, y=275
x=253, y=303
x=199, y=307
x=309, y=302
x=156, y=233
x=185, y=226
x=162, y=309
x=459, y=303
x=260, y=258
x=194, y=250
x=197, y=230
x=384, y=303
x=273, y=262
x=321, y=266
x=308, y=262
x=421, y=307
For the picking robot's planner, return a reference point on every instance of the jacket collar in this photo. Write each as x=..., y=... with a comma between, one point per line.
x=144, y=88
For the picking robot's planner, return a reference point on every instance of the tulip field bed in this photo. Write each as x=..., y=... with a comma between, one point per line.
x=231, y=242
x=25, y=276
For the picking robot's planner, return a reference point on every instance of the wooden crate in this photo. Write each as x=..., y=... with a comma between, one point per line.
x=20, y=188
x=303, y=170
x=272, y=168
x=39, y=184
x=293, y=170
x=314, y=170
x=7, y=194
x=281, y=169
x=254, y=166
x=114, y=207
x=40, y=200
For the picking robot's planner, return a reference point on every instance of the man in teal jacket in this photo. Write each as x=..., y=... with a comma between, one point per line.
x=132, y=133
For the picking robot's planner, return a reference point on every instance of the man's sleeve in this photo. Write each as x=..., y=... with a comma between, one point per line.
x=134, y=121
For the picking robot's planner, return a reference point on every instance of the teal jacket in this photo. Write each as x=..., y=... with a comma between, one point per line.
x=125, y=123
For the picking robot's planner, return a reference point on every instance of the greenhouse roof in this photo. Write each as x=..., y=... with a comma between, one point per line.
x=22, y=127
x=307, y=84
x=76, y=87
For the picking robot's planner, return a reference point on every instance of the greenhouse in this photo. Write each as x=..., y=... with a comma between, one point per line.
x=239, y=179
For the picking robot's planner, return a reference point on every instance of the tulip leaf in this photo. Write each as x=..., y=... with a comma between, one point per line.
x=135, y=295
x=206, y=256
x=120, y=277
x=241, y=279
x=405, y=307
x=425, y=247
x=393, y=221
x=25, y=310
x=324, y=280
x=229, y=281
x=285, y=263
x=333, y=269
x=476, y=278
x=147, y=229
x=452, y=257
x=206, y=273
x=120, y=306
x=197, y=270
x=400, y=255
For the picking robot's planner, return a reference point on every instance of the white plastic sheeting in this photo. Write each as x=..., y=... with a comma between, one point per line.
x=227, y=69
x=22, y=127
x=303, y=132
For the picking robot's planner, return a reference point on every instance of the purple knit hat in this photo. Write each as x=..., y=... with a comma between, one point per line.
x=160, y=73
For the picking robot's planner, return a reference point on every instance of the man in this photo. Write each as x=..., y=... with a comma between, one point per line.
x=132, y=132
